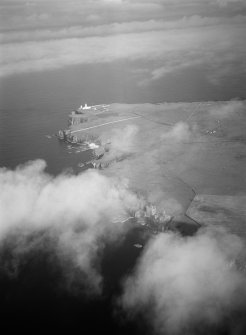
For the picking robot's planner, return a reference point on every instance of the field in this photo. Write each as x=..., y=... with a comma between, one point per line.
x=171, y=153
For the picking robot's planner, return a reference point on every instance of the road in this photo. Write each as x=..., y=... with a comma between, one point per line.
x=104, y=124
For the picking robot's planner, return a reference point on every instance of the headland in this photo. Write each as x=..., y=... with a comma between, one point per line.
x=169, y=153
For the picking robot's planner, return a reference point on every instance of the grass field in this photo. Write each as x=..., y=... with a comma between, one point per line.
x=173, y=152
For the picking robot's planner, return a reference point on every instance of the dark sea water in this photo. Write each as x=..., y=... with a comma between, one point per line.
x=37, y=104
x=36, y=302
x=33, y=109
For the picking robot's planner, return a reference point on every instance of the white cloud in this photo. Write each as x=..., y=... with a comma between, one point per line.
x=226, y=2
x=122, y=141
x=181, y=284
x=180, y=132
x=171, y=36
x=77, y=211
x=182, y=46
x=227, y=110
x=116, y=28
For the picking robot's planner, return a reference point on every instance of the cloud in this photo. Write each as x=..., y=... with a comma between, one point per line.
x=69, y=13
x=227, y=110
x=114, y=28
x=158, y=46
x=78, y=212
x=180, y=132
x=17, y=15
x=184, y=38
x=224, y=3
x=182, y=285
x=122, y=141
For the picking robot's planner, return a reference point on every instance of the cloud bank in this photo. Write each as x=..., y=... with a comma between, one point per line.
x=188, y=286
x=79, y=213
x=180, y=285
x=180, y=132
x=122, y=141
x=167, y=37
x=227, y=110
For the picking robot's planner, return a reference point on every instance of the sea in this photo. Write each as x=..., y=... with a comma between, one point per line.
x=34, y=106
x=31, y=114
x=33, y=109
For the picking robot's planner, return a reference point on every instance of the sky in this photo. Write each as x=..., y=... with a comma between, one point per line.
x=197, y=46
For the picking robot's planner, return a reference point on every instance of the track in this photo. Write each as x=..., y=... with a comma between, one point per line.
x=104, y=124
